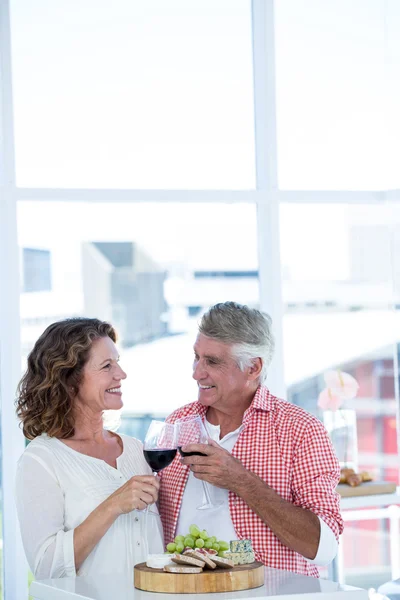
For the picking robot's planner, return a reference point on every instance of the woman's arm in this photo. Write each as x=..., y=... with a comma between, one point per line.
x=136, y=493
x=51, y=551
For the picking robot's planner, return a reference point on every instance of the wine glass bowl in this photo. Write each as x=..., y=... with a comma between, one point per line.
x=182, y=453
x=159, y=447
x=159, y=458
x=191, y=430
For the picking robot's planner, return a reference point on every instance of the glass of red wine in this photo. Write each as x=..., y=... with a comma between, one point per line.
x=159, y=450
x=191, y=430
x=159, y=447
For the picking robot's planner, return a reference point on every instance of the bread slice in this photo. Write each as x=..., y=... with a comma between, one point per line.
x=225, y=563
x=195, y=554
x=182, y=569
x=182, y=559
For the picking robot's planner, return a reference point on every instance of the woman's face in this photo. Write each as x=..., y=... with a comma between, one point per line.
x=101, y=384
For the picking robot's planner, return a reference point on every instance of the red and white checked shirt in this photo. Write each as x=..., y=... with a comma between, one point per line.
x=290, y=450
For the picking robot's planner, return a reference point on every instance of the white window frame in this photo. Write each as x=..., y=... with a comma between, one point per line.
x=266, y=198
x=15, y=573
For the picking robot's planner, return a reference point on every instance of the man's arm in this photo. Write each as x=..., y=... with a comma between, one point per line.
x=296, y=527
x=315, y=476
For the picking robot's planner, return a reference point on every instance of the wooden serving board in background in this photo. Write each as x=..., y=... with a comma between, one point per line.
x=368, y=488
x=241, y=577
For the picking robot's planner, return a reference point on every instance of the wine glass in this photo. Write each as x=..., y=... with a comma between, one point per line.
x=159, y=447
x=159, y=450
x=191, y=430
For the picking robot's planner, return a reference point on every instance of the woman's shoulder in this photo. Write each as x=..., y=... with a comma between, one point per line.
x=130, y=443
x=42, y=444
x=39, y=451
x=133, y=457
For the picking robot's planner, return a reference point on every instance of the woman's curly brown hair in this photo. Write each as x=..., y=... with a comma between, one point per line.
x=55, y=368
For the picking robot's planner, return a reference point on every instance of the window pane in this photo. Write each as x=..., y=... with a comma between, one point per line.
x=337, y=66
x=146, y=94
x=150, y=269
x=1, y=512
x=338, y=295
x=392, y=97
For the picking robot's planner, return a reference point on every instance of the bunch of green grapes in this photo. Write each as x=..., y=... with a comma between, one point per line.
x=197, y=539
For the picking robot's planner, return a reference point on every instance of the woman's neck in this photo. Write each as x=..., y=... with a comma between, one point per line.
x=89, y=426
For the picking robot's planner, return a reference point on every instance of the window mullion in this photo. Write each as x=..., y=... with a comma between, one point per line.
x=267, y=180
x=15, y=574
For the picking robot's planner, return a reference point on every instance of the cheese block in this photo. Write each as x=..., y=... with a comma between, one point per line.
x=182, y=559
x=241, y=546
x=182, y=569
x=240, y=558
x=158, y=561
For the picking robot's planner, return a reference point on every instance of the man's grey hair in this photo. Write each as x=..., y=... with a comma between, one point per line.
x=246, y=329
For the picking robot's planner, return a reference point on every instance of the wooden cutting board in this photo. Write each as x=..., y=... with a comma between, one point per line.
x=368, y=488
x=241, y=577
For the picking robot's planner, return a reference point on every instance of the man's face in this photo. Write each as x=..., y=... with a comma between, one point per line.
x=220, y=381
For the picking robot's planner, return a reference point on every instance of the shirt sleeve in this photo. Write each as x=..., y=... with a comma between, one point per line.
x=315, y=477
x=327, y=547
x=40, y=505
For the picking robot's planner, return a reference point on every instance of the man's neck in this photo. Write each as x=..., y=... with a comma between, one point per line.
x=227, y=423
x=229, y=419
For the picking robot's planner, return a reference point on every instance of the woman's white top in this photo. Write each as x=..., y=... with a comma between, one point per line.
x=58, y=487
x=217, y=521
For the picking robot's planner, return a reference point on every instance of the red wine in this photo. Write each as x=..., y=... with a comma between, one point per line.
x=160, y=458
x=182, y=453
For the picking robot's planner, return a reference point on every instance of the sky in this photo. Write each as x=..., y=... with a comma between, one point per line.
x=158, y=94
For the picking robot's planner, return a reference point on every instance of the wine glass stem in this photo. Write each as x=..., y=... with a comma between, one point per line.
x=206, y=493
x=145, y=524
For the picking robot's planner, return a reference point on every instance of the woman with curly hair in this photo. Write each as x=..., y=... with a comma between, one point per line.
x=79, y=487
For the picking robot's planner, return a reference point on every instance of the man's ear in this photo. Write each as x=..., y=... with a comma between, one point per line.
x=255, y=368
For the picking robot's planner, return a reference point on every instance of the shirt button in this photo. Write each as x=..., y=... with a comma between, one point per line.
x=136, y=519
x=138, y=543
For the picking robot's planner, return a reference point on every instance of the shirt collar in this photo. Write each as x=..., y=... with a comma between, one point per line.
x=263, y=400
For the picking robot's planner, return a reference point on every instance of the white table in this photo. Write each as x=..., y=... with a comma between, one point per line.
x=364, y=508
x=390, y=589
x=284, y=584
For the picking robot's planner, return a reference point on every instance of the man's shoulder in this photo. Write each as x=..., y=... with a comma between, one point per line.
x=192, y=409
x=292, y=410
x=300, y=420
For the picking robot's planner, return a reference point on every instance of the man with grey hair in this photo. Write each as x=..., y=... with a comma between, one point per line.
x=269, y=464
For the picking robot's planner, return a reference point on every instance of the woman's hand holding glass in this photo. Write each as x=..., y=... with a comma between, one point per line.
x=136, y=494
